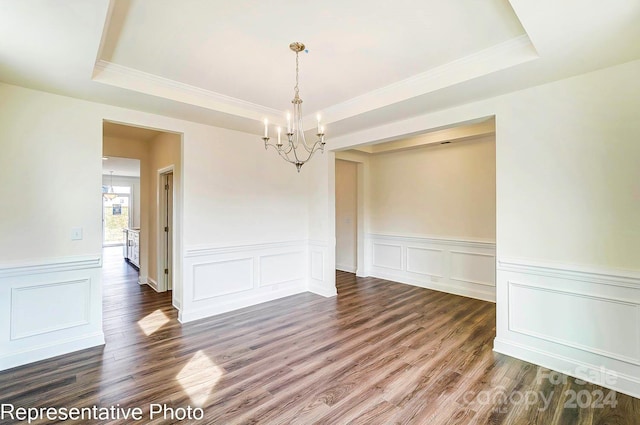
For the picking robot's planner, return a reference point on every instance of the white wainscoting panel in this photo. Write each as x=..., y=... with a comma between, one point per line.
x=322, y=275
x=218, y=278
x=473, y=267
x=49, y=308
x=456, y=266
x=387, y=255
x=427, y=261
x=221, y=279
x=51, y=316
x=282, y=268
x=572, y=319
x=317, y=265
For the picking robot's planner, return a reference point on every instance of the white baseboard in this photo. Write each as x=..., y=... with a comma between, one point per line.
x=346, y=268
x=152, y=284
x=465, y=292
x=176, y=303
x=143, y=280
x=625, y=384
x=214, y=308
x=323, y=291
x=35, y=354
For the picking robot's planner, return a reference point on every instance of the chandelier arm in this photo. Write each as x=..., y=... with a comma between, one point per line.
x=278, y=149
x=286, y=157
x=283, y=154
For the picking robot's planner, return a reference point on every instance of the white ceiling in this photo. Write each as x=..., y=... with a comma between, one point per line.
x=227, y=63
x=125, y=167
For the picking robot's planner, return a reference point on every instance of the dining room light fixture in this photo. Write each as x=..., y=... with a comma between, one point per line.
x=110, y=194
x=295, y=150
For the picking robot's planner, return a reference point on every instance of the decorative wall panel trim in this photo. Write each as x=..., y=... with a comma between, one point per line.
x=69, y=311
x=450, y=265
x=49, y=308
x=416, y=268
x=322, y=269
x=633, y=313
x=283, y=267
x=560, y=315
x=387, y=255
x=221, y=279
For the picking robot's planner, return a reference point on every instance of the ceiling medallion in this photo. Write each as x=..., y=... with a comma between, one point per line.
x=295, y=149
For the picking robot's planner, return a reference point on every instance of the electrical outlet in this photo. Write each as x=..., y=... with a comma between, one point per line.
x=76, y=233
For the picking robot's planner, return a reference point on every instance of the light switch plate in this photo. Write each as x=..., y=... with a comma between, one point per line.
x=76, y=233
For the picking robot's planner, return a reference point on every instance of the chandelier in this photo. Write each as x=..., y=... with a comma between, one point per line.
x=295, y=150
x=110, y=194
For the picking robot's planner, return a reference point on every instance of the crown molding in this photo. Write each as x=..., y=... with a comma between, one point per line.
x=495, y=58
x=501, y=56
x=113, y=74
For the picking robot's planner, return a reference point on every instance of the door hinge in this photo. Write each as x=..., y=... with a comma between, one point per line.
x=166, y=271
x=166, y=187
x=166, y=228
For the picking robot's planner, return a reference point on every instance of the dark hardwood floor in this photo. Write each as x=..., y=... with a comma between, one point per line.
x=379, y=353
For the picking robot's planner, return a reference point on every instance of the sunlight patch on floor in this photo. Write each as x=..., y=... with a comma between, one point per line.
x=199, y=377
x=152, y=322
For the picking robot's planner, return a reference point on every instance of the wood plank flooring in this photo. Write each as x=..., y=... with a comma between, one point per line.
x=379, y=353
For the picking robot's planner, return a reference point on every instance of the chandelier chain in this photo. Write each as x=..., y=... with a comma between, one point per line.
x=297, y=91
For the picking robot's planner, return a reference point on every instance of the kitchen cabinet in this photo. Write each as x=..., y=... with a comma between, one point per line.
x=131, y=249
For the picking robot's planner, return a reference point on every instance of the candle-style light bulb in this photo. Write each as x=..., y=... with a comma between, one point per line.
x=319, y=127
x=322, y=129
x=266, y=127
x=279, y=131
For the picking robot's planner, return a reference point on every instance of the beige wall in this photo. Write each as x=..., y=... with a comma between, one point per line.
x=47, y=164
x=346, y=215
x=566, y=159
x=164, y=150
x=568, y=170
x=439, y=190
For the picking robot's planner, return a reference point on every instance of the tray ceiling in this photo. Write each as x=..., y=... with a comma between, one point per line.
x=227, y=63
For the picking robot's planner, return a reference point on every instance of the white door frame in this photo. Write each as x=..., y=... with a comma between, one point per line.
x=161, y=215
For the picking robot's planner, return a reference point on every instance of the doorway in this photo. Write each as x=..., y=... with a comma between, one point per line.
x=120, y=198
x=165, y=227
x=116, y=214
x=157, y=152
x=346, y=216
